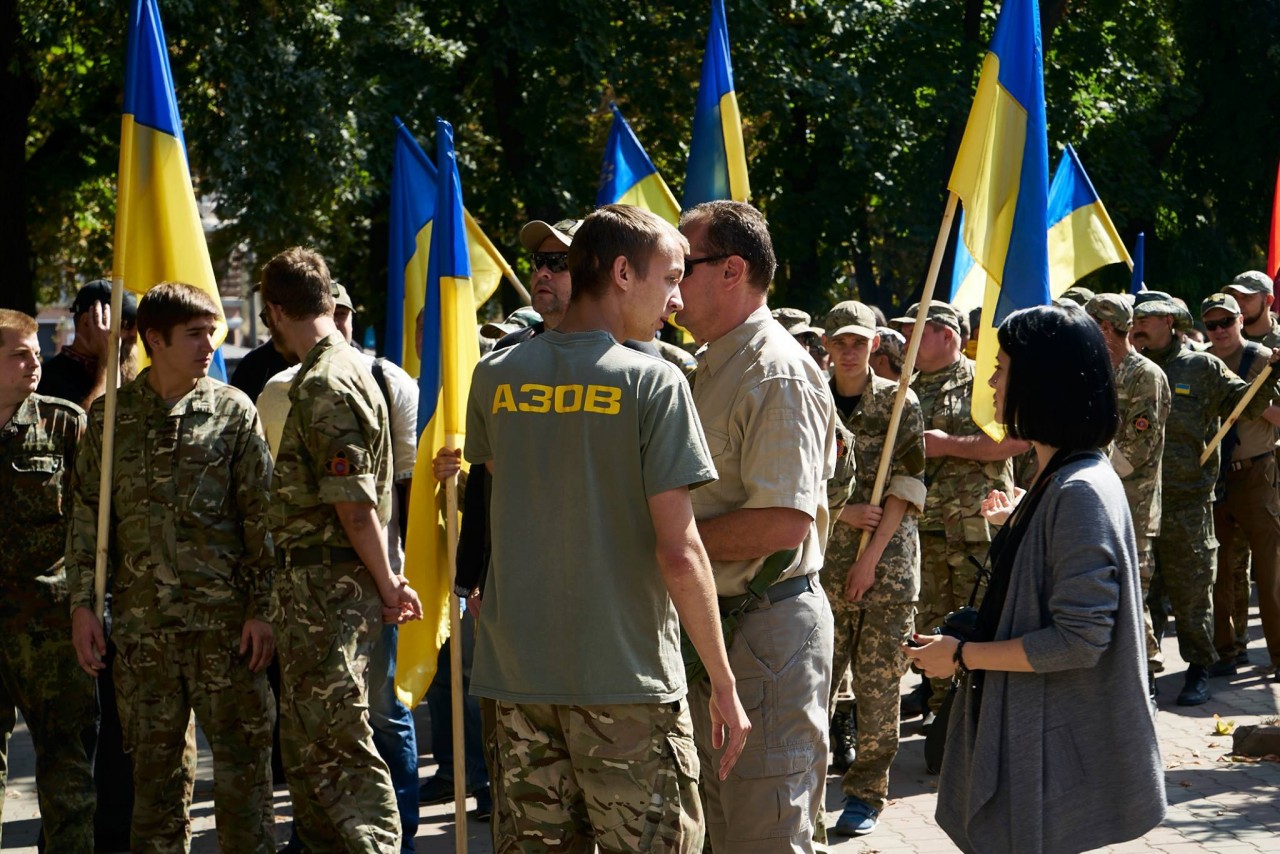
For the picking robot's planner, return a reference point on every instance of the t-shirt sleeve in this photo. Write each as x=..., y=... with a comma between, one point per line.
x=403, y=408
x=338, y=441
x=673, y=450
x=784, y=447
x=477, y=449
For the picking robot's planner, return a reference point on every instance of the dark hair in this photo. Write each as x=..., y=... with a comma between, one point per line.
x=612, y=231
x=169, y=304
x=1059, y=390
x=736, y=228
x=298, y=281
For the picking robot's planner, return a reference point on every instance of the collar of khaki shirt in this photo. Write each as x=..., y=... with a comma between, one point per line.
x=714, y=356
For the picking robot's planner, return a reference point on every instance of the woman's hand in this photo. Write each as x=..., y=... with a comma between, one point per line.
x=997, y=506
x=935, y=654
x=864, y=517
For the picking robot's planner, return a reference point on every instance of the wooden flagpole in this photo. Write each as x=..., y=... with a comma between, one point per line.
x=108, y=451
x=455, y=665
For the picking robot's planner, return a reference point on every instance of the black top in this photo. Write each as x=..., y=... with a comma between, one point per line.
x=258, y=365
x=69, y=376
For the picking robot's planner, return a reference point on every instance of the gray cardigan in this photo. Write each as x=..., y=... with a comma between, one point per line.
x=1065, y=758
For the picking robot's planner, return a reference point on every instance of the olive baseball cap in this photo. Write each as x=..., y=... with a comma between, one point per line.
x=1251, y=282
x=341, y=297
x=795, y=321
x=521, y=318
x=1112, y=308
x=1156, y=303
x=892, y=343
x=938, y=311
x=533, y=234
x=850, y=318
x=1079, y=296
x=1226, y=302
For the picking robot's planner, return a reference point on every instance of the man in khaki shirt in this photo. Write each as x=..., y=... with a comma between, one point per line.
x=770, y=424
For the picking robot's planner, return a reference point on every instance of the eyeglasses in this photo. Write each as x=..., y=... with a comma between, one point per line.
x=1225, y=323
x=555, y=262
x=690, y=263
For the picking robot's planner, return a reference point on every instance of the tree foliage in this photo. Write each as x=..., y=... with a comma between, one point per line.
x=852, y=112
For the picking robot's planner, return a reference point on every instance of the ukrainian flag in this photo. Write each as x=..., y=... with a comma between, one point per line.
x=1001, y=175
x=413, y=209
x=1138, y=281
x=628, y=176
x=968, y=280
x=450, y=351
x=717, y=158
x=159, y=236
x=1082, y=237
x=1273, y=240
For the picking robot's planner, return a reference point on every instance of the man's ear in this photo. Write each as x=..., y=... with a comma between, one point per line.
x=734, y=271
x=622, y=272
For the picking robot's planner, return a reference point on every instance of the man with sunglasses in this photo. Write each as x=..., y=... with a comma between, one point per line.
x=1246, y=516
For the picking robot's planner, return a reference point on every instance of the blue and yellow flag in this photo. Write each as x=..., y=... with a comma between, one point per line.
x=968, y=280
x=628, y=176
x=413, y=209
x=159, y=236
x=1082, y=237
x=450, y=350
x=1138, y=281
x=1001, y=175
x=717, y=158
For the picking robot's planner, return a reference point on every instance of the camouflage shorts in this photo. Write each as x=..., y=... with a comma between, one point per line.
x=623, y=777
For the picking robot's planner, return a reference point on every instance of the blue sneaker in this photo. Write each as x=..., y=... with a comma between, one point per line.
x=858, y=818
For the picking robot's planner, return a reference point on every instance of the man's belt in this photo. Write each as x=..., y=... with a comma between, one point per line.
x=1249, y=462
x=312, y=555
x=787, y=589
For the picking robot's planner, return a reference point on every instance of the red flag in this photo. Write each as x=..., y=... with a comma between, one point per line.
x=1273, y=246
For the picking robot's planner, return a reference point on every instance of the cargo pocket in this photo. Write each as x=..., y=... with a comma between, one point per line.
x=37, y=488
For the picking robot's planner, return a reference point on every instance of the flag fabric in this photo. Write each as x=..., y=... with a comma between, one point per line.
x=968, y=280
x=1138, y=282
x=450, y=351
x=1082, y=237
x=717, y=157
x=1001, y=175
x=413, y=209
x=1273, y=244
x=628, y=176
x=159, y=236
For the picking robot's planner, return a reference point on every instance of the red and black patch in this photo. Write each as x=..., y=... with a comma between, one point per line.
x=1141, y=423
x=339, y=466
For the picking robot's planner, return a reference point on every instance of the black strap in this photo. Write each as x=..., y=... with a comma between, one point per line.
x=1232, y=440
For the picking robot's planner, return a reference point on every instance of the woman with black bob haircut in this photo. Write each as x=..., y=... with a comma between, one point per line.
x=1051, y=743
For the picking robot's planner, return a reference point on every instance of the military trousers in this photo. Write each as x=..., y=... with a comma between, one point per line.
x=947, y=579
x=161, y=678
x=1186, y=564
x=781, y=659
x=1252, y=506
x=40, y=677
x=869, y=640
x=326, y=619
x=622, y=777
x=1146, y=569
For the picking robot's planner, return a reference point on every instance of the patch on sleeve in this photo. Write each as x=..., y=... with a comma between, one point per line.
x=1181, y=388
x=1141, y=423
x=339, y=466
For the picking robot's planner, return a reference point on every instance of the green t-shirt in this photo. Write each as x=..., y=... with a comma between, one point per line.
x=581, y=431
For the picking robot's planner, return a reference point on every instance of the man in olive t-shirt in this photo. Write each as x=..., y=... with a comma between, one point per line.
x=578, y=641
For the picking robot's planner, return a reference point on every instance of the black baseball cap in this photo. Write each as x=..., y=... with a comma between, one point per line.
x=99, y=290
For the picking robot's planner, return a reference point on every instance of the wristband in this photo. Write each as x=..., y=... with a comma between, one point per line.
x=958, y=658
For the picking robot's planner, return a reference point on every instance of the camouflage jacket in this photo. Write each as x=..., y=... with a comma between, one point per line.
x=1204, y=391
x=190, y=485
x=1142, y=397
x=37, y=450
x=335, y=447
x=956, y=486
x=1269, y=339
x=898, y=573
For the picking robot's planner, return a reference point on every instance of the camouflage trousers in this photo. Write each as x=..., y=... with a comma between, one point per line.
x=1147, y=568
x=40, y=677
x=326, y=619
x=869, y=641
x=161, y=679
x=622, y=777
x=1186, y=564
x=1248, y=521
x=947, y=578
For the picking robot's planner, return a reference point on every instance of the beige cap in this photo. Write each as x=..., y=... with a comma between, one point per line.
x=534, y=233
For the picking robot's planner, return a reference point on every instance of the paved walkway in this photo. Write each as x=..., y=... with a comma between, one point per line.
x=1215, y=804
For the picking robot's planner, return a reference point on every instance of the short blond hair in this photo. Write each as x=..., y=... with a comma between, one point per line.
x=22, y=324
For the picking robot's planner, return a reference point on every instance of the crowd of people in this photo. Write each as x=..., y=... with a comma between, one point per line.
x=690, y=590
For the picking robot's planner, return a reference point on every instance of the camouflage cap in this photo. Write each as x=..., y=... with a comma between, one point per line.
x=533, y=234
x=892, y=344
x=1226, y=302
x=1113, y=308
x=1157, y=303
x=795, y=321
x=341, y=298
x=1079, y=296
x=938, y=311
x=521, y=318
x=850, y=318
x=1251, y=282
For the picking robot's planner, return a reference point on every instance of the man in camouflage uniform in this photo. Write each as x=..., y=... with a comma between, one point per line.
x=38, y=672
x=963, y=466
x=190, y=577
x=1247, y=507
x=331, y=502
x=1142, y=397
x=872, y=596
x=1204, y=391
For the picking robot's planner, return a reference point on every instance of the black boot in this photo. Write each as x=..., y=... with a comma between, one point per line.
x=916, y=702
x=1196, y=689
x=842, y=740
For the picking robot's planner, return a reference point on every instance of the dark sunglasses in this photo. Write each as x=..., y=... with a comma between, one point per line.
x=555, y=262
x=1225, y=323
x=690, y=263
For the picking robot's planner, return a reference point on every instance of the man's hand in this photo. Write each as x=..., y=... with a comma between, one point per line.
x=860, y=577
x=446, y=463
x=474, y=601
x=864, y=517
x=402, y=605
x=88, y=640
x=257, y=639
x=727, y=713
x=93, y=330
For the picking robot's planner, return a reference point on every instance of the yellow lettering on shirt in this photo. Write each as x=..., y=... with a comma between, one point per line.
x=605, y=399
x=539, y=395
x=563, y=399
x=503, y=399
x=568, y=398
